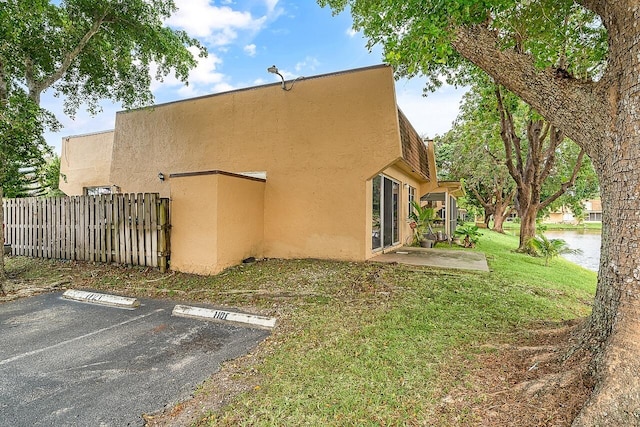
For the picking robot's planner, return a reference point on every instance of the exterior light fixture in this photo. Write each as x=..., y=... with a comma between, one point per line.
x=274, y=70
x=160, y=176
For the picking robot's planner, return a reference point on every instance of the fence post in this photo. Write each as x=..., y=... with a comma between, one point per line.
x=2, y=275
x=163, y=230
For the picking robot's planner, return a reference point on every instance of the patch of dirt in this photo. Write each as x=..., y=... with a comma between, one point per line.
x=235, y=377
x=527, y=383
x=14, y=287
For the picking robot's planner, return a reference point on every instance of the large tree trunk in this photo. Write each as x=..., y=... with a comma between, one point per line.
x=501, y=213
x=614, y=325
x=527, y=226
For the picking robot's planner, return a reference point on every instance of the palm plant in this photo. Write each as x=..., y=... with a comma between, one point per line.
x=422, y=217
x=469, y=234
x=550, y=248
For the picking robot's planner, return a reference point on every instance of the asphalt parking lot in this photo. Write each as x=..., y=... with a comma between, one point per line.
x=68, y=363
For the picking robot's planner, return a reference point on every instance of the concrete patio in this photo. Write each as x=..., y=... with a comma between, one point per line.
x=435, y=257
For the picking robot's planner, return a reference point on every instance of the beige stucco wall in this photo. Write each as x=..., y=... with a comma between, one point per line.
x=319, y=144
x=217, y=221
x=86, y=162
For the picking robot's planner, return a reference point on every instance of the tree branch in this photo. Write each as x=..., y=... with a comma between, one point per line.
x=565, y=185
x=550, y=155
x=598, y=7
x=545, y=131
x=4, y=90
x=36, y=87
x=505, y=134
x=478, y=196
x=560, y=98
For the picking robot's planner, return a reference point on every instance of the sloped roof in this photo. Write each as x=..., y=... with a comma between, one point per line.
x=414, y=152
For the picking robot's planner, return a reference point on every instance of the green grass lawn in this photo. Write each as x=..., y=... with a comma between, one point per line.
x=360, y=343
x=374, y=357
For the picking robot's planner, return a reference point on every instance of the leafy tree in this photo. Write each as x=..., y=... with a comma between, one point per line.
x=576, y=62
x=83, y=51
x=532, y=165
x=49, y=177
x=515, y=156
x=477, y=158
x=21, y=143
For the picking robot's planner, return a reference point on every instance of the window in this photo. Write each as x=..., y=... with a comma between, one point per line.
x=410, y=199
x=376, y=214
x=385, y=203
x=97, y=191
x=594, y=216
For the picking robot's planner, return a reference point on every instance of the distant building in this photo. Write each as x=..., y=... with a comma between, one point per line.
x=592, y=213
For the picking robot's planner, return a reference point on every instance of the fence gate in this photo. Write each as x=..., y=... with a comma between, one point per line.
x=123, y=228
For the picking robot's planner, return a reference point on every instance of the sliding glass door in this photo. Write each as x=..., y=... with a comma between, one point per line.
x=385, y=213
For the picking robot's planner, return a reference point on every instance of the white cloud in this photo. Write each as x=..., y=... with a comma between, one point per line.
x=351, y=32
x=259, y=81
x=186, y=92
x=250, y=49
x=205, y=71
x=271, y=5
x=223, y=87
x=201, y=79
x=219, y=25
x=309, y=63
x=432, y=115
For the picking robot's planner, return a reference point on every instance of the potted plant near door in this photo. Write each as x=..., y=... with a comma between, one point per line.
x=421, y=219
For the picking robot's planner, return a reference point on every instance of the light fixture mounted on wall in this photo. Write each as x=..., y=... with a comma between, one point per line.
x=160, y=176
x=274, y=70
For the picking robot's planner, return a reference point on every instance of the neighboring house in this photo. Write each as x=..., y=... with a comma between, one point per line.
x=325, y=170
x=593, y=210
x=592, y=213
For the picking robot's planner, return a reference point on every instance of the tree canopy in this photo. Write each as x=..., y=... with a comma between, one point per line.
x=82, y=51
x=86, y=51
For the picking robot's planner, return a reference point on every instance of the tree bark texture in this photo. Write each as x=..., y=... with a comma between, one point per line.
x=603, y=117
x=504, y=207
x=614, y=326
x=500, y=214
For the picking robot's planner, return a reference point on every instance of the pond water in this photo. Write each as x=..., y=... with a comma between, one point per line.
x=588, y=241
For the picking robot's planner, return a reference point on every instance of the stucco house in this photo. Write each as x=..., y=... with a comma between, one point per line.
x=324, y=170
x=564, y=215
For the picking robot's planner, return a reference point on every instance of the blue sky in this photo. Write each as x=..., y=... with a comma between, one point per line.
x=244, y=37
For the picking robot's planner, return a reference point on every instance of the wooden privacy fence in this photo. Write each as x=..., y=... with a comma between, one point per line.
x=123, y=228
